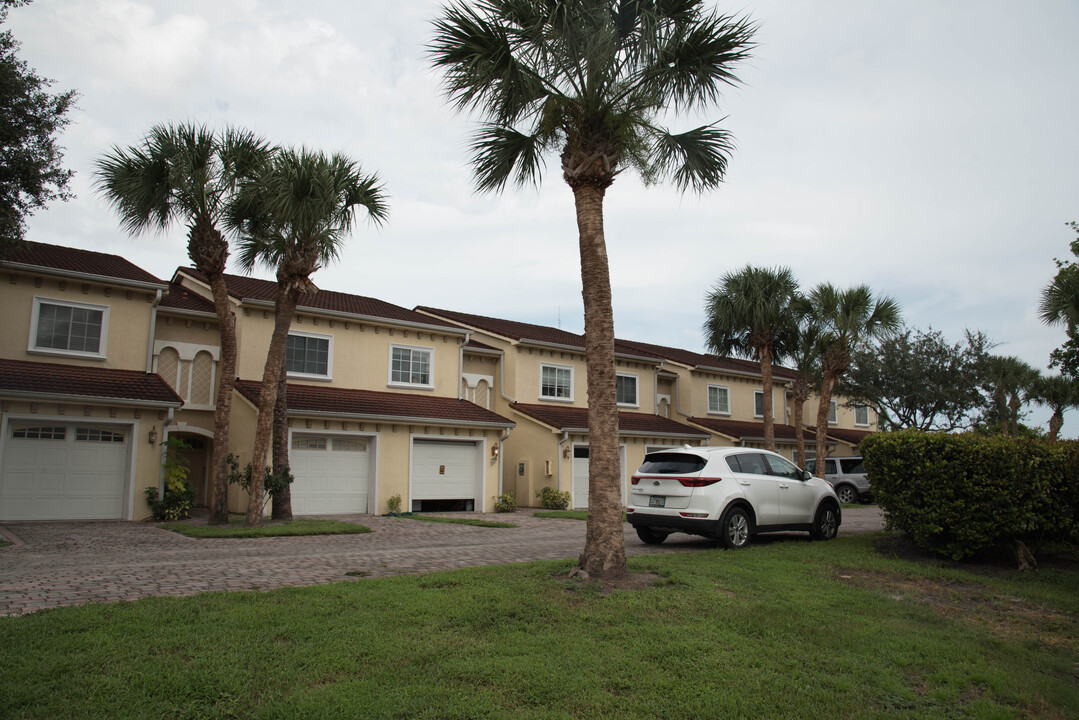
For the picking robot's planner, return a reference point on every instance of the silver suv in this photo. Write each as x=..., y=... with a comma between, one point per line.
x=728, y=493
x=847, y=476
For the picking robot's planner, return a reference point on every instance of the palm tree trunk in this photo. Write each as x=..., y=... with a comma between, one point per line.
x=604, y=553
x=1055, y=423
x=822, y=420
x=226, y=370
x=765, y=354
x=282, y=499
x=799, y=432
x=1013, y=406
x=284, y=309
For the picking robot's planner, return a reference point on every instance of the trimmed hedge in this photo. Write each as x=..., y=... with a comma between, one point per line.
x=959, y=495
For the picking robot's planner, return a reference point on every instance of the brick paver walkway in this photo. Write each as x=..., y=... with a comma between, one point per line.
x=53, y=564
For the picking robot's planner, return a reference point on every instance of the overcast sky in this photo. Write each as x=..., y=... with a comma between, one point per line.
x=929, y=149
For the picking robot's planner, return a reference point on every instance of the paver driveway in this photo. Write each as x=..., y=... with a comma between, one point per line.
x=70, y=563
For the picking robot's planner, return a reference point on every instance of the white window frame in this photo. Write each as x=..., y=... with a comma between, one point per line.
x=102, y=348
x=833, y=412
x=758, y=394
x=430, y=367
x=329, y=356
x=636, y=389
x=555, y=398
x=861, y=409
x=708, y=399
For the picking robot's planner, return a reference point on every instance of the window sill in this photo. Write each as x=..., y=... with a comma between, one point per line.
x=717, y=412
x=409, y=386
x=306, y=376
x=555, y=399
x=67, y=353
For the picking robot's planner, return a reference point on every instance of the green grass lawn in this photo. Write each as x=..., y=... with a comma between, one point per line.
x=236, y=529
x=783, y=629
x=567, y=514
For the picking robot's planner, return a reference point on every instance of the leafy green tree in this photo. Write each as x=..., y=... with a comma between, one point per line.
x=1058, y=393
x=1060, y=306
x=293, y=217
x=31, y=119
x=749, y=314
x=591, y=81
x=917, y=379
x=188, y=173
x=849, y=320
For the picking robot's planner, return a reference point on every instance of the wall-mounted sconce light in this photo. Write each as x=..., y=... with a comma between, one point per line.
x=565, y=452
x=153, y=435
x=494, y=451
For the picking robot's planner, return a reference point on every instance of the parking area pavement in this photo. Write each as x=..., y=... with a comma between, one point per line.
x=53, y=564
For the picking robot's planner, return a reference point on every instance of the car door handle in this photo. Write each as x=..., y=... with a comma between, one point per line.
x=744, y=482
x=784, y=487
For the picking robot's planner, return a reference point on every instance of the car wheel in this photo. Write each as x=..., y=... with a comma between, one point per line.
x=651, y=537
x=735, y=528
x=847, y=494
x=826, y=523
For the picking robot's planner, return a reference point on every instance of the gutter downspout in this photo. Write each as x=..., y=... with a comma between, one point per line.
x=502, y=378
x=153, y=329
x=461, y=368
x=563, y=441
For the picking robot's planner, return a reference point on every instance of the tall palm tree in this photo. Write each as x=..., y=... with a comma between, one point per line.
x=1060, y=298
x=848, y=319
x=1010, y=383
x=293, y=217
x=749, y=314
x=804, y=358
x=1058, y=393
x=590, y=80
x=189, y=173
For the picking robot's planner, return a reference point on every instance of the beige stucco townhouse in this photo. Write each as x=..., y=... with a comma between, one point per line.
x=81, y=413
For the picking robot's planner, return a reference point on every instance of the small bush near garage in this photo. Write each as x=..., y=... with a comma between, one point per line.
x=553, y=499
x=961, y=495
x=506, y=503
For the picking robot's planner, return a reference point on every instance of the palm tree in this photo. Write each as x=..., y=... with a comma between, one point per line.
x=189, y=173
x=749, y=315
x=590, y=80
x=1059, y=394
x=849, y=319
x=1060, y=298
x=1010, y=383
x=805, y=357
x=293, y=217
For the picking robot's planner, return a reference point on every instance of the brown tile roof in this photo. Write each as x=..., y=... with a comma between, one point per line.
x=25, y=378
x=477, y=345
x=181, y=298
x=574, y=418
x=849, y=436
x=742, y=429
x=400, y=407
x=693, y=359
x=509, y=328
x=248, y=288
x=58, y=258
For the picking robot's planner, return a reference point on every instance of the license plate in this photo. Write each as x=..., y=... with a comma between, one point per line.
x=657, y=501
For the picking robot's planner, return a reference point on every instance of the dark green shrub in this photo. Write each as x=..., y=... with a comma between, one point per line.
x=553, y=499
x=959, y=495
x=271, y=483
x=506, y=503
x=179, y=495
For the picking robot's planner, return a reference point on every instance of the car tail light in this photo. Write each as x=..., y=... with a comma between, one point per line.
x=694, y=515
x=629, y=510
x=698, y=482
x=636, y=479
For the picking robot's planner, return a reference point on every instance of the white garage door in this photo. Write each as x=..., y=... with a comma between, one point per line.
x=331, y=474
x=60, y=471
x=580, y=475
x=443, y=470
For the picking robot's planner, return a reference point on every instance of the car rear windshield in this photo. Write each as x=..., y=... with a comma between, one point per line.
x=671, y=464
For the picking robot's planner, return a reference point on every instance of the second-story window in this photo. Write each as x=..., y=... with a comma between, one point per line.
x=719, y=399
x=308, y=354
x=410, y=366
x=758, y=403
x=69, y=328
x=626, y=390
x=833, y=412
x=556, y=382
x=861, y=415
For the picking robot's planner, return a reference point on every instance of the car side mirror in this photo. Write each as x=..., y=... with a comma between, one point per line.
x=806, y=475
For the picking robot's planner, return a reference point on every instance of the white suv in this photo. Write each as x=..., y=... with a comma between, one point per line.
x=728, y=493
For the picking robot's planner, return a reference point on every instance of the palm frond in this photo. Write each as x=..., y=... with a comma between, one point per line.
x=501, y=153
x=694, y=159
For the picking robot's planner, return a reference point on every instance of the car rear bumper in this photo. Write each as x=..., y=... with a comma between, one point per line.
x=674, y=523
